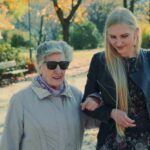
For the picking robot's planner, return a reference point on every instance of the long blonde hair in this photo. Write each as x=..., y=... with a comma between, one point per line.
x=114, y=61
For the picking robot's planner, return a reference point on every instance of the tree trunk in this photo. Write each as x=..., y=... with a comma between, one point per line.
x=125, y=4
x=41, y=30
x=65, y=22
x=30, y=42
x=132, y=5
x=65, y=27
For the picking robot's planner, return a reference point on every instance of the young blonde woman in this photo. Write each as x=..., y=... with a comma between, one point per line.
x=120, y=79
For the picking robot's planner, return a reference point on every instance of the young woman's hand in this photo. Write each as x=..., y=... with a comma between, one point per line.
x=122, y=119
x=91, y=103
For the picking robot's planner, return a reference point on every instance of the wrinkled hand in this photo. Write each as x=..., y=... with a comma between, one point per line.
x=90, y=103
x=122, y=119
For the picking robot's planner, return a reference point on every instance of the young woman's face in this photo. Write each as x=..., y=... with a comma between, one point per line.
x=123, y=39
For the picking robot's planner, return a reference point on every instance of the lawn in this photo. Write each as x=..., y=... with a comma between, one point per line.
x=77, y=54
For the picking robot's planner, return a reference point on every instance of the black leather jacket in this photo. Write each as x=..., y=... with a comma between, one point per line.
x=100, y=80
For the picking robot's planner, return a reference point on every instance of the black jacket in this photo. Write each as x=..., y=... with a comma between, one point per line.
x=100, y=80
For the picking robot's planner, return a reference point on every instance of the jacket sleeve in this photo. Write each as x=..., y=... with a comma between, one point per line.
x=13, y=128
x=96, y=69
x=148, y=55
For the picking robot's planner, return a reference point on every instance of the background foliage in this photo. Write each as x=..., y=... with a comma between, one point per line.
x=8, y=53
x=84, y=36
x=85, y=31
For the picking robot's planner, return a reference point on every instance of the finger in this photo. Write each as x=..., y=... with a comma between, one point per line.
x=131, y=125
x=92, y=105
x=81, y=104
x=84, y=104
x=121, y=121
x=127, y=125
x=129, y=120
x=91, y=108
x=122, y=124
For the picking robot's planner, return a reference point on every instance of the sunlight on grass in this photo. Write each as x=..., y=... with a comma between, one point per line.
x=90, y=139
x=2, y=116
x=77, y=53
x=25, y=55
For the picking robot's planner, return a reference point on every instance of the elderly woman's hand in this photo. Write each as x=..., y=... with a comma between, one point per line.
x=91, y=103
x=121, y=118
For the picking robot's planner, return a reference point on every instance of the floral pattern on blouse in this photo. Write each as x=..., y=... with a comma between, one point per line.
x=137, y=138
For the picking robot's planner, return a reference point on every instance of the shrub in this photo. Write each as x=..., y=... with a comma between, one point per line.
x=84, y=36
x=8, y=53
x=97, y=13
x=30, y=64
x=145, y=35
x=17, y=38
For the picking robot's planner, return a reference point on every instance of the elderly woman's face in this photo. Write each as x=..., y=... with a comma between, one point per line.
x=53, y=74
x=123, y=39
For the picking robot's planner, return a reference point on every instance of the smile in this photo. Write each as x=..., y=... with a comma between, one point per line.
x=56, y=78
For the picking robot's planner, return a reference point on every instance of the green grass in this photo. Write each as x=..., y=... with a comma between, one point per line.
x=2, y=116
x=77, y=53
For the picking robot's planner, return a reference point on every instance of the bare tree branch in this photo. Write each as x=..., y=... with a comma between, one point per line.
x=72, y=4
x=65, y=22
x=73, y=10
x=59, y=11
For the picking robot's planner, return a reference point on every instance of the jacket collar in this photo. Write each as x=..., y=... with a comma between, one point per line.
x=141, y=61
x=43, y=93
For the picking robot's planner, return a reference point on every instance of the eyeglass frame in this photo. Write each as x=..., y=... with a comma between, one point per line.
x=56, y=64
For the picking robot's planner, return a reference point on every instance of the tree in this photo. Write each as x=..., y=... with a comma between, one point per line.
x=9, y=11
x=5, y=20
x=125, y=3
x=16, y=8
x=132, y=2
x=84, y=35
x=129, y=4
x=98, y=12
x=38, y=20
x=66, y=20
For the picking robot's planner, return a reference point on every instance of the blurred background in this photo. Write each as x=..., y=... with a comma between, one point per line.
x=24, y=24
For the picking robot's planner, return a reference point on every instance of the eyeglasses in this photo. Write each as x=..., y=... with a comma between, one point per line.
x=53, y=64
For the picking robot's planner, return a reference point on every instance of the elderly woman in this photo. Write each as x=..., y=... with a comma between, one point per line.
x=46, y=115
